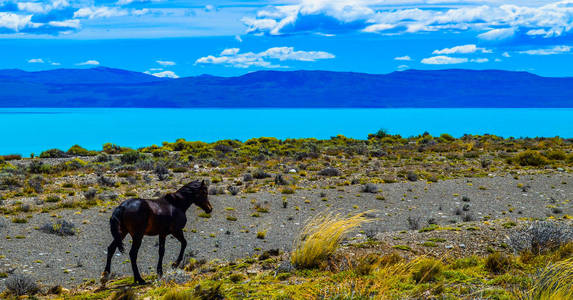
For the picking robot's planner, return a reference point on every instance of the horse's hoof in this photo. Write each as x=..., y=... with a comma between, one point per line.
x=104, y=277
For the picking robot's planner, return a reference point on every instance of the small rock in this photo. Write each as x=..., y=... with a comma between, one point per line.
x=463, y=246
x=449, y=246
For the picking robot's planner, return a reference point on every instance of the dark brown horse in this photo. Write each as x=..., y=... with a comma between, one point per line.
x=162, y=217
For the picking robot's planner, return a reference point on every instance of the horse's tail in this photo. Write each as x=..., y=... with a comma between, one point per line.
x=114, y=225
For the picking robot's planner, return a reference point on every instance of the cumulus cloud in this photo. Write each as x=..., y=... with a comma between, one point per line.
x=444, y=60
x=165, y=62
x=164, y=74
x=494, y=20
x=90, y=62
x=404, y=58
x=54, y=16
x=232, y=57
x=35, y=61
x=505, y=54
x=548, y=51
x=465, y=49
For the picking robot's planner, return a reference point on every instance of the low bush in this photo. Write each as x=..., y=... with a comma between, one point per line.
x=541, y=236
x=529, y=158
x=329, y=172
x=61, y=228
x=370, y=188
x=131, y=157
x=260, y=174
x=10, y=157
x=77, y=150
x=497, y=263
x=53, y=153
x=20, y=285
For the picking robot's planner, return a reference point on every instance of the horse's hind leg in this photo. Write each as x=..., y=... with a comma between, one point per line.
x=181, y=238
x=110, y=252
x=161, y=253
x=133, y=257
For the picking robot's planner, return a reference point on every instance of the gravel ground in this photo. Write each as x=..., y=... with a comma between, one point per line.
x=70, y=260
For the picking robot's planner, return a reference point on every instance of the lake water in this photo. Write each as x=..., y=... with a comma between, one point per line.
x=33, y=130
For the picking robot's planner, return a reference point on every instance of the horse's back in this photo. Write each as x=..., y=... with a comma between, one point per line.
x=151, y=217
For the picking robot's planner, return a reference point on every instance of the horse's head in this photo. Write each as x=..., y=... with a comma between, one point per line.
x=196, y=193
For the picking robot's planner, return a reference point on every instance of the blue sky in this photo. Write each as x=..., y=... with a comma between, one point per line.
x=177, y=38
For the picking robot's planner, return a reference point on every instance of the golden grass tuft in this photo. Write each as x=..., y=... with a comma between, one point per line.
x=555, y=282
x=321, y=236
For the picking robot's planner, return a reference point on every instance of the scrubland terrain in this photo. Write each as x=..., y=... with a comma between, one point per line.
x=419, y=217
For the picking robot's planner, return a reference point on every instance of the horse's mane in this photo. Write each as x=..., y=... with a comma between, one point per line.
x=187, y=191
x=190, y=188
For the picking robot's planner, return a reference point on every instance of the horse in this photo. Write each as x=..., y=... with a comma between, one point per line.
x=162, y=216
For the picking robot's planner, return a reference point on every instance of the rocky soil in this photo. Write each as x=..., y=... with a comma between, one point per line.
x=231, y=231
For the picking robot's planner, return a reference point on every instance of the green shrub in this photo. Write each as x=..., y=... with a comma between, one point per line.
x=53, y=153
x=426, y=270
x=80, y=151
x=110, y=148
x=556, y=155
x=131, y=157
x=530, y=158
x=497, y=263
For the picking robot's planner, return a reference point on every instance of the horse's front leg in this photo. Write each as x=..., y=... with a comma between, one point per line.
x=161, y=253
x=181, y=238
x=133, y=257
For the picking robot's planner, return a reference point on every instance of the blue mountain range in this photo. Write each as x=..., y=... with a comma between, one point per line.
x=107, y=87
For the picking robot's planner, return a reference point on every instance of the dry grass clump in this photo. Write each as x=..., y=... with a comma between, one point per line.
x=553, y=282
x=321, y=235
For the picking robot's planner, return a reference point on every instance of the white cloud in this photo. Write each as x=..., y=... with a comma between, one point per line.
x=506, y=54
x=88, y=63
x=95, y=12
x=238, y=38
x=443, y=60
x=494, y=19
x=36, y=61
x=479, y=60
x=548, y=51
x=402, y=67
x=465, y=49
x=164, y=74
x=165, y=62
x=404, y=58
x=210, y=8
x=497, y=34
x=14, y=22
x=230, y=51
x=232, y=57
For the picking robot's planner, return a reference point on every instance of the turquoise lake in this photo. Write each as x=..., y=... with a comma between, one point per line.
x=33, y=130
